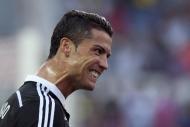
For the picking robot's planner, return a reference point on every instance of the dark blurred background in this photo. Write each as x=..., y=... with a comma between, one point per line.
x=148, y=81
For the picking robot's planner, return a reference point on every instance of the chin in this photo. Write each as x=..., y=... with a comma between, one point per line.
x=89, y=86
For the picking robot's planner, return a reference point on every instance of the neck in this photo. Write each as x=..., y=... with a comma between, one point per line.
x=58, y=76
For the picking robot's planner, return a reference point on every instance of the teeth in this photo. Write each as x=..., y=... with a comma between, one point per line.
x=94, y=74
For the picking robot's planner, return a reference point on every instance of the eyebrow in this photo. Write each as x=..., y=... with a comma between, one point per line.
x=104, y=50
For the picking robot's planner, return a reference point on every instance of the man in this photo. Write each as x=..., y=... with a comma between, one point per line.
x=80, y=47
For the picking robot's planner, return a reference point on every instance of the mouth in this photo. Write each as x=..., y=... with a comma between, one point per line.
x=94, y=74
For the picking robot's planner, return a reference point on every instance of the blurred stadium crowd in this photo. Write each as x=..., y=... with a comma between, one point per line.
x=148, y=81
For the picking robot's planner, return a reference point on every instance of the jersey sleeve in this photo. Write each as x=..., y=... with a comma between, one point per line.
x=28, y=115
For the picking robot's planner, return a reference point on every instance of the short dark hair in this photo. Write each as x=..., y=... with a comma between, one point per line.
x=76, y=25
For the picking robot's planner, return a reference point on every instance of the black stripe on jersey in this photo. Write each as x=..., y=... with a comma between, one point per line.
x=50, y=106
x=46, y=107
x=42, y=89
x=52, y=111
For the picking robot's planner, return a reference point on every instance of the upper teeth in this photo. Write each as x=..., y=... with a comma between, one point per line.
x=95, y=74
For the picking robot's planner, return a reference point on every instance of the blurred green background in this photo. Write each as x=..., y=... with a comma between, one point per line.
x=148, y=81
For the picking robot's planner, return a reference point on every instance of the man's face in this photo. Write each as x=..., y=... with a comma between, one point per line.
x=90, y=59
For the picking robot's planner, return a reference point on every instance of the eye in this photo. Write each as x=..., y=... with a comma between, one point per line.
x=98, y=51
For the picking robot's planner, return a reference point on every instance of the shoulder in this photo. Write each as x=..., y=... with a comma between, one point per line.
x=19, y=115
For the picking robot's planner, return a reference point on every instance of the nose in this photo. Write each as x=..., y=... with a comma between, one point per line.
x=104, y=63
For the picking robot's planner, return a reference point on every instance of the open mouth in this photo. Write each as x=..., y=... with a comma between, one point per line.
x=94, y=74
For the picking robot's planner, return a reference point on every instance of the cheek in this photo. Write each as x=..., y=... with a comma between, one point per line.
x=77, y=64
x=85, y=63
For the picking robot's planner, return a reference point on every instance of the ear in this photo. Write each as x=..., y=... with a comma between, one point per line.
x=66, y=45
